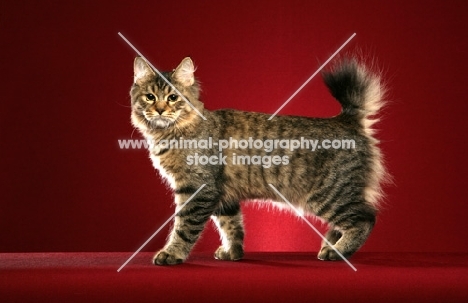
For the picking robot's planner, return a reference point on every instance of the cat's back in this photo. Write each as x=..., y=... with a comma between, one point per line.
x=242, y=125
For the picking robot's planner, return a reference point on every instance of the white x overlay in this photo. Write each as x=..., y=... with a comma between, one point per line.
x=299, y=213
x=311, y=77
x=162, y=226
x=271, y=117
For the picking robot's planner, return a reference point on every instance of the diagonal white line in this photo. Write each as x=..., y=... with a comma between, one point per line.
x=311, y=226
x=162, y=226
x=311, y=77
x=160, y=75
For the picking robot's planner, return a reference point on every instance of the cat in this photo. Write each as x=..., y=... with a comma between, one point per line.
x=342, y=186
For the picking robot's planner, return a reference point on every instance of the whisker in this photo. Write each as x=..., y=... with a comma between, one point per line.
x=134, y=129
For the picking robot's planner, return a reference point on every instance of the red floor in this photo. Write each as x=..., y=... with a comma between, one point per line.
x=260, y=277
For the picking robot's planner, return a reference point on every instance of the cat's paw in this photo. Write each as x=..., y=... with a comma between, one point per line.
x=236, y=252
x=165, y=258
x=328, y=254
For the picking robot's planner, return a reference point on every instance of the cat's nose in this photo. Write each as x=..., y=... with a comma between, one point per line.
x=160, y=110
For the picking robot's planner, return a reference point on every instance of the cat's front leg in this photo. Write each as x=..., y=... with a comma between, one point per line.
x=188, y=225
x=228, y=219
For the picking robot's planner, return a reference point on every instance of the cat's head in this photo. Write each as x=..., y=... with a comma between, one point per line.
x=156, y=105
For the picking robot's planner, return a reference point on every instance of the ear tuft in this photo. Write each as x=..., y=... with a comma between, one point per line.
x=184, y=73
x=141, y=70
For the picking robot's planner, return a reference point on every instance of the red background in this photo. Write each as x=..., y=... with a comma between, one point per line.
x=66, y=186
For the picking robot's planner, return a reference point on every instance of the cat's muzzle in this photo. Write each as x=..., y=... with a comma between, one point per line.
x=161, y=122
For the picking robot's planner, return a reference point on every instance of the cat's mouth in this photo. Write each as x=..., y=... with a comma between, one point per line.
x=161, y=122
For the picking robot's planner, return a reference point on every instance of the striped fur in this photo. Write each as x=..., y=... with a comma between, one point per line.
x=340, y=186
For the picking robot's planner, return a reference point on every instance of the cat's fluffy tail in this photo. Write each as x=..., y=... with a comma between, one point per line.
x=361, y=94
x=359, y=91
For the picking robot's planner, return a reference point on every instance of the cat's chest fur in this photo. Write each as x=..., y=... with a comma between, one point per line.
x=171, y=161
x=167, y=176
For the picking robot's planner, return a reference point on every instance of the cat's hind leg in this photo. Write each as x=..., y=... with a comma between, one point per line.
x=332, y=237
x=349, y=233
x=228, y=220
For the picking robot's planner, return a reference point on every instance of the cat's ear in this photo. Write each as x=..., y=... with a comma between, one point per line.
x=141, y=70
x=184, y=73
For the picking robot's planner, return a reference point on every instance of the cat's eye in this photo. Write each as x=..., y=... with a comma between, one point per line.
x=150, y=97
x=172, y=97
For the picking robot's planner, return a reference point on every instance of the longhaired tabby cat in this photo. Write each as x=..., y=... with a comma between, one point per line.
x=340, y=186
